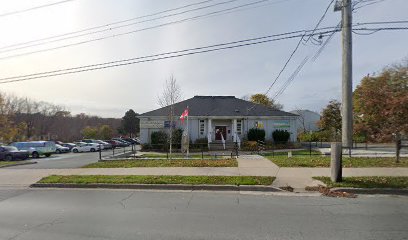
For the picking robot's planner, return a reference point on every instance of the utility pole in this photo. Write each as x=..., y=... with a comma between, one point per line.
x=347, y=73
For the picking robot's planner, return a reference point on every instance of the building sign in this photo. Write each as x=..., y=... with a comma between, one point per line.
x=167, y=124
x=259, y=125
x=281, y=124
x=151, y=124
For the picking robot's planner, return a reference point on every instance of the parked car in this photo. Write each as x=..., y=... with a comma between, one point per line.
x=94, y=141
x=126, y=143
x=68, y=145
x=105, y=145
x=61, y=149
x=133, y=141
x=114, y=143
x=85, y=147
x=36, y=148
x=10, y=153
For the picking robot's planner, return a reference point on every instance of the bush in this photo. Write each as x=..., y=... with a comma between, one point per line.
x=159, y=138
x=177, y=135
x=280, y=136
x=255, y=134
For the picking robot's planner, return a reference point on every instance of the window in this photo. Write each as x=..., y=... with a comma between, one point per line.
x=202, y=127
x=239, y=126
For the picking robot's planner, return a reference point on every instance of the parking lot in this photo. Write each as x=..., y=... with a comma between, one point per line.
x=57, y=161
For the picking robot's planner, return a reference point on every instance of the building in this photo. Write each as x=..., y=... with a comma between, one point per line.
x=307, y=121
x=213, y=116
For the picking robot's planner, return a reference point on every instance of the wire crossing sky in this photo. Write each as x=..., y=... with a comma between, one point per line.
x=76, y=49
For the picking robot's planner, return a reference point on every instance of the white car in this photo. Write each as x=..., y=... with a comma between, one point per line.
x=85, y=147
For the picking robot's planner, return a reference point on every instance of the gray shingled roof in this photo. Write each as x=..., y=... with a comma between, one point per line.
x=218, y=106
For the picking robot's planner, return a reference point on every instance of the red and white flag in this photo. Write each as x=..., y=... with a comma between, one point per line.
x=184, y=115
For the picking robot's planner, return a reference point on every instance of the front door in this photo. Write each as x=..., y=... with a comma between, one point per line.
x=220, y=130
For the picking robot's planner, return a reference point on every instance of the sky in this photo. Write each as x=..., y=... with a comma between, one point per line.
x=238, y=72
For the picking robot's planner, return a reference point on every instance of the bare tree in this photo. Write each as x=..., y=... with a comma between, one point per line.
x=171, y=94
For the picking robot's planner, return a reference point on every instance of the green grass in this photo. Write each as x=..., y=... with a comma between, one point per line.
x=295, y=153
x=324, y=161
x=137, y=179
x=367, y=182
x=7, y=163
x=175, y=155
x=164, y=163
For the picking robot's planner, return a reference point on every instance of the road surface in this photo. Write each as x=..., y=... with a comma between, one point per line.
x=47, y=214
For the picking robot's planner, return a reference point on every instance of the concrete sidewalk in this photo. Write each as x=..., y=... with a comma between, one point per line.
x=248, y=165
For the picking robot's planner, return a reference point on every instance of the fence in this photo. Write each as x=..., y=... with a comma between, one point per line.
x=118, y=152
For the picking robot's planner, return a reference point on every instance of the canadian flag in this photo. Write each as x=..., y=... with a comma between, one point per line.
x=184, y=115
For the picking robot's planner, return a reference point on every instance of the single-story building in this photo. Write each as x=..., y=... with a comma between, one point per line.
x=307, y=121
x=211, y=116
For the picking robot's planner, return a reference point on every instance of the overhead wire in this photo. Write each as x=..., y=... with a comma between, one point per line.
x=134, y=31
x=33, y=8
x=180, y=53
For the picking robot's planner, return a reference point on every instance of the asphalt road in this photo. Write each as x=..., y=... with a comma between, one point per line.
x=65, y=160
x=123, y=214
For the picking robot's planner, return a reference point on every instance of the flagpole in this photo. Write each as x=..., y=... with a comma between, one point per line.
x=188, y=135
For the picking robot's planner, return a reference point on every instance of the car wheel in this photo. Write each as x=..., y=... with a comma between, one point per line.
x=92, y=149
x=35, y=155
x=75, y=150
x=8, y=158
x=58, y=151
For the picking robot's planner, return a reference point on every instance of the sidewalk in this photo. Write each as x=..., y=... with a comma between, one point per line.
x=248, y=165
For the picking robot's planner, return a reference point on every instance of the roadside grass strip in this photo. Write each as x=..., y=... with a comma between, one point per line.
x=322, y=161
x=138, y=179
x=164, y=163
x=367, y=182
x=12, y=163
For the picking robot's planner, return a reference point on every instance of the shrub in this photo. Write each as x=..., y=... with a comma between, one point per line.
x=280, y=136
x=177, y=135
x=255, y=134
x=159, y=138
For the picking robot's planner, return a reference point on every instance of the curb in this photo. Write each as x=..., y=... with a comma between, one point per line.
x=18, y=164
x=388, y=191
x=258, y=188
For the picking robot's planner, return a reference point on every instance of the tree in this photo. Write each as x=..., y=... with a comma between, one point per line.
x=105, y=132
x=90, y=132
x=130, y=123
x=331, y=118
x=263, y=99
x=170, y=96
x=381, y=104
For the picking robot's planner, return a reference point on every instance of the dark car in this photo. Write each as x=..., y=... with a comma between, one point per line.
x=124, y=142
x=131, y=140
x=68, y=145
x=10, y=153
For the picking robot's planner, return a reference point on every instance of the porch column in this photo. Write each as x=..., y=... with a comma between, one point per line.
x=209, y=130
x=234, y=129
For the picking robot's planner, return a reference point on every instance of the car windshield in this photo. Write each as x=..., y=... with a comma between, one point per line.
x=58, y=146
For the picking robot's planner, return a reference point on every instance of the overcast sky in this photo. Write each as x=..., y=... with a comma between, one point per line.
x=239, y=72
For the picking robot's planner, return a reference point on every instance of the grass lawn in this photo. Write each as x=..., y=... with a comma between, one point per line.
x=324, y=161
x=175, y=155
x=7, y=163
x=304, y=152
x=164, y=163
x=136, y=179
x=367, y=182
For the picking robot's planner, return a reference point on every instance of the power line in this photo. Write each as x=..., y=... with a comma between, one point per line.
x=187, y=52
x=33, y=8
x=135, y=31
x=193, y=51
x=106, y=25
x=116, y=27
x=297, y=47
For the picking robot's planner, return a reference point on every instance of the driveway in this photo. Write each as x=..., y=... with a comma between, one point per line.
x=60, y=161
